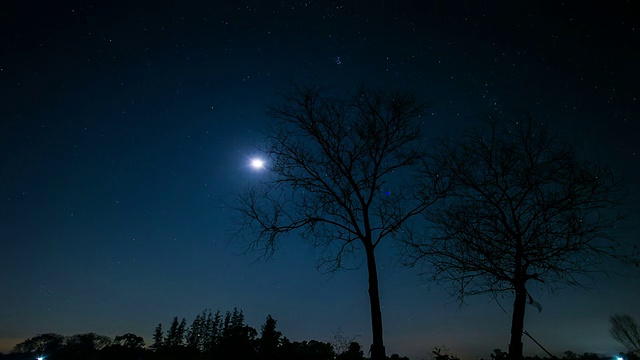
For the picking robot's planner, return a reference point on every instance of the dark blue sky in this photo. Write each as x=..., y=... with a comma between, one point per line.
x=125, y=127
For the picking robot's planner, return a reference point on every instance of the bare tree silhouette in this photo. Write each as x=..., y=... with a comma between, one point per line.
x=626, y=331
x=343, y=179
x=522, y=207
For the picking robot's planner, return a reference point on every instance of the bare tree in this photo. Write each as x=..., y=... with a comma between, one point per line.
x=522, y=208
x=343, y=179
x=341, y=341
x=626, y=331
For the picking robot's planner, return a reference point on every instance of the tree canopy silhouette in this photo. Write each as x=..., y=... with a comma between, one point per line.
x=343, y=178
x=270, y=340
x=522, y=207
x=37, y=345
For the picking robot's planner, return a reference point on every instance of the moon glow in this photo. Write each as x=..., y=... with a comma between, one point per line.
x=257, y=163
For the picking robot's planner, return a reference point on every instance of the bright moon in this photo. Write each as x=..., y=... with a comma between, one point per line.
x=257, y=164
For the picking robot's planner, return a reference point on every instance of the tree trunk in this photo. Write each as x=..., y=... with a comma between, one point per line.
x=517, y=322
x=377, y=348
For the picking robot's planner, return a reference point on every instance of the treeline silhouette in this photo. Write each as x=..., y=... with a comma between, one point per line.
x=218, y=336
x=498, y=354
x=210, y=336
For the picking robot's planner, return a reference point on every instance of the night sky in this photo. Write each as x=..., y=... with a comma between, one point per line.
x=124, y=129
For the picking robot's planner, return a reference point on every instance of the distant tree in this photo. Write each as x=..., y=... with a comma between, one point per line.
x=182, y=331
x=173, y=345
x=38, y=344
x=341, y=341
x=199, y=334
x=498, y=354
x=308, y=350
x=592, y=356
x=129, y=340
x=522, y=208
x=354, y=352
x=234, y=319
x=442, y=354
x=125, y=347
x=270, y=340
x=397, y=357
x=237, y=340
x=84, y=346
x=176, y=334
x=158, y=338
x=212, y=332
x=342, y=178
x=317, y=350
x=90, y=340
x=171, y=338
x=569, y=355
x=626, y=331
